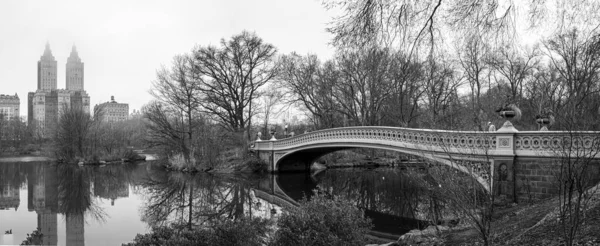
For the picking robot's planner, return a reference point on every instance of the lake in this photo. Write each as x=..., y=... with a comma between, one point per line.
x=109, y=205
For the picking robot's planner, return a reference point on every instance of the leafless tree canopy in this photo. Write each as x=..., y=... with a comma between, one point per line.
x=178, y=89
x=231, y=75
x=412, y=25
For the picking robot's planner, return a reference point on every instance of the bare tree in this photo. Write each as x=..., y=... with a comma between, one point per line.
x=414, y=24
x=364, y=85
x=402, y=106
x=231, y=77
x=270, y=99
x=72, y=138
x=514, y=67
x=575, y=179
x=179, y=88
x=472, y=59
x=575, y=57
x=442, y=83
x=311, y=85
x=165, y=127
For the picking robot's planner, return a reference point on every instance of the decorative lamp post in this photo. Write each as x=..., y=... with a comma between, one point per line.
x=273, y=134
x=285, y=132
x=258, y=135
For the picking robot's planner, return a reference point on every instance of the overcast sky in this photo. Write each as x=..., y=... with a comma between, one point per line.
x=123, y=43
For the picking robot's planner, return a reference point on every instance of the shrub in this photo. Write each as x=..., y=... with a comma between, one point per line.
x=131, y=155
x=245, y=231
x=324, y=220
x=35, y=238
x=256, y=165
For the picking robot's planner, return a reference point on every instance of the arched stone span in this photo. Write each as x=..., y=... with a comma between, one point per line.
x=300, y=159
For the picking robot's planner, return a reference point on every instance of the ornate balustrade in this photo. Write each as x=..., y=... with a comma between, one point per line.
x=526, y=143
x=436, y=140
x=532, y=143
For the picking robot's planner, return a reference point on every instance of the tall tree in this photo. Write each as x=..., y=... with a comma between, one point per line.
x=576, y=58
x=271, y=105
x=472, y=57
x=441, y=87
x=231, y=76
x=364, y=85
x=406, y=75
x=311, y=85
x=514, y=67
x=178, y=88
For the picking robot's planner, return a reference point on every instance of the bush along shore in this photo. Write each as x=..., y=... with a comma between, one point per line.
x=323, y=220
x=225, y=164
x=126, y=156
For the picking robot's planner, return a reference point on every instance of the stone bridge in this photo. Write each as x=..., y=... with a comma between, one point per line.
x=518, y=161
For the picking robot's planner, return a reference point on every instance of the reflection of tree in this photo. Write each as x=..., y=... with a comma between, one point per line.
x=12, y=177
x=76, y=201
x=112, y=182
x=195, y=200
x=74, y=193
x=383, y=191
x=391, y=198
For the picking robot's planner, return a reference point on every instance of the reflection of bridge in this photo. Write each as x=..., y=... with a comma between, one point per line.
x=277, y=191
x=269, y=190
x=524, y=155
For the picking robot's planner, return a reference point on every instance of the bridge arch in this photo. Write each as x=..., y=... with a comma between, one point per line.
x=300, y=159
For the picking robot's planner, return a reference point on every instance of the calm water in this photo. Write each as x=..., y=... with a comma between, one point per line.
x=109, y=205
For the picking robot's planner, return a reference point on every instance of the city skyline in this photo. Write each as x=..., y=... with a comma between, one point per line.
x=124, y=44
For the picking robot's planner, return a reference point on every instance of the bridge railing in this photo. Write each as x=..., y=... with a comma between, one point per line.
x=424, y=137
x=557, y=142
x=526, y=143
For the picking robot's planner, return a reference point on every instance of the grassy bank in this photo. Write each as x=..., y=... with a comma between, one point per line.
x=533, y=223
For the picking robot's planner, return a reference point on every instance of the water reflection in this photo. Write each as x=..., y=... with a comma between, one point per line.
x=88, y=196
x=112, y=182
x=71, y=191
x=9, y=187
x=392, y=198
x=195, y=200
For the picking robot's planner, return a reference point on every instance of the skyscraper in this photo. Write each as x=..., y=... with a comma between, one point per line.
x=47, y=70
x=74, y=71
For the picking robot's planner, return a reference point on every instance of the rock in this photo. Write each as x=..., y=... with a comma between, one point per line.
x=317, y=166
x=428, y=236
x=386, y=244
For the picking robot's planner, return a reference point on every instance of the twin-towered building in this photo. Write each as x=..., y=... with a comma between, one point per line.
x=45, y=105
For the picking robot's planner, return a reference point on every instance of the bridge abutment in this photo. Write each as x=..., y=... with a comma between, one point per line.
x=503, y=180
x=538, y=178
